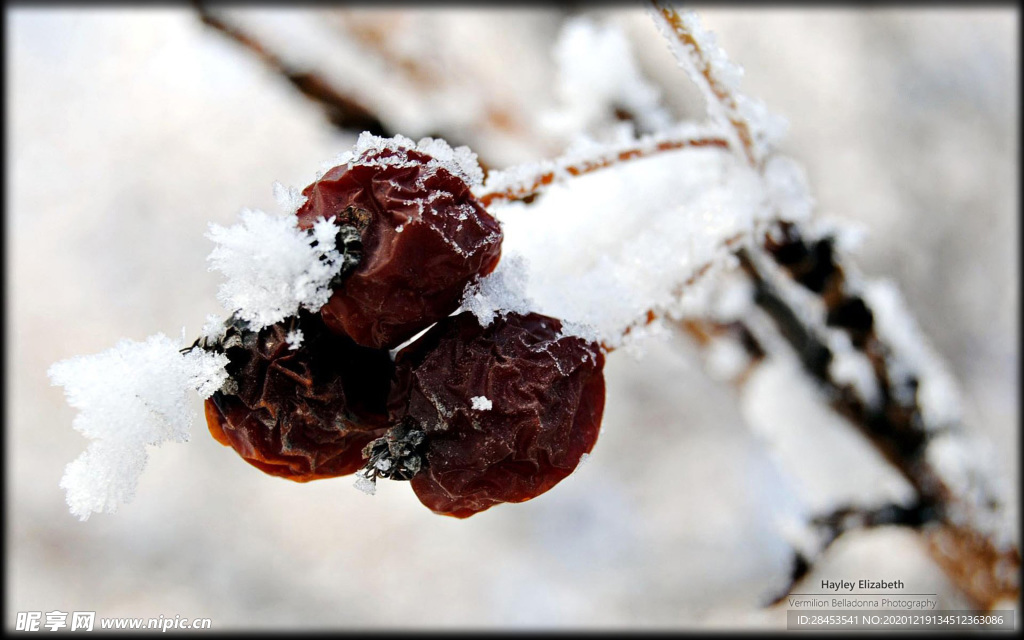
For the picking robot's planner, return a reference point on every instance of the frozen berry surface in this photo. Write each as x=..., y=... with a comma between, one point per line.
x=305, y=413
x=424, y=237
x=507, y=410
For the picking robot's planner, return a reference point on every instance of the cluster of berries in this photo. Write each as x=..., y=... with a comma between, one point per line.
x=472, y=416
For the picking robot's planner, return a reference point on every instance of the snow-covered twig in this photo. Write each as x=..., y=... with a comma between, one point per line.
x=753, y=129
x=524, y=183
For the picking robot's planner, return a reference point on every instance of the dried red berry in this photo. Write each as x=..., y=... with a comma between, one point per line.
x=506, y=411
x=424, y=237
x=302, y=414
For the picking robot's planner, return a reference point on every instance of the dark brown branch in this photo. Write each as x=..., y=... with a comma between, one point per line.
x=342, y=111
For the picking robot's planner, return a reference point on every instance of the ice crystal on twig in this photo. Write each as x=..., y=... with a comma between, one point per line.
x=132, y=395
x=272, y=267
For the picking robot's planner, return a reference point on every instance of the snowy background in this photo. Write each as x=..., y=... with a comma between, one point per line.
x=130, y=130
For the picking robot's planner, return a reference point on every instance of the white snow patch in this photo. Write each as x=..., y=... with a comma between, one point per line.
x=725, y=358
x=601, y=253
x=828, y=461
x=799, y=533
x=214, y=329
x=849, y=234
x=787, y=187
x=294, y=339
x=482, y=403
x=500, y=292
x=937, y=392
x=732, y=298
x=853, y=368
x=966, y=464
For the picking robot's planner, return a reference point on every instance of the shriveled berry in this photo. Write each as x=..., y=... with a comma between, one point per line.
x=424, y=237
x=305, y=413
x=506, y=411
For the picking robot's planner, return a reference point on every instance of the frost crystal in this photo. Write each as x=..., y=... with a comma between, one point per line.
x=273, y=267
x=103, y=477
x=288, y=198
x=207, y=371
x=500, y=292
x=214, y=329
x=365, y=484
x=132, y=395
x=460, y=161
x=482, y=403
x=294, y=339
x=585, y=153
x=325, y=232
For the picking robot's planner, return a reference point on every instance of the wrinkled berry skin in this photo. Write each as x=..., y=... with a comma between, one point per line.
x=425, y=238
x=302, y=414
x=547, y=396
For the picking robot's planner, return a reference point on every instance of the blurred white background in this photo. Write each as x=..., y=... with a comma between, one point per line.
x=129, y=130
